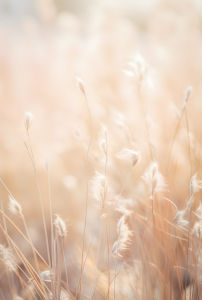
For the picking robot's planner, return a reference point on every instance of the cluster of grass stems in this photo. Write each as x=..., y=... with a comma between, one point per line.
x=157, y=251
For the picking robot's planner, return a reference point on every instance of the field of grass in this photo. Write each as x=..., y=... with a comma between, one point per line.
x=100, y=157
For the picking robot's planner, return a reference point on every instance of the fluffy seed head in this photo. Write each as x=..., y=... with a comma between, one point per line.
x=195, y=186
x=197, y=230
x=47, y=163
x=98, y=186
x=199, y=210
x=46, y=276
x=81, y=86
x=134, y=156
x=188, y=92
x=129, y=73
x=60, y=226
x=187, y=95
x=14, y=207
x=103, y=138
x=103, y=143
x=179, y=221
x=101, y=192
x=139, y=67
x=7, y=257
x=28, y=120
x=154, y=180
x=124, y=236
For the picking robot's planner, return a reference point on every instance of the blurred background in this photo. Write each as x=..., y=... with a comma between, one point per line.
x=44, y=46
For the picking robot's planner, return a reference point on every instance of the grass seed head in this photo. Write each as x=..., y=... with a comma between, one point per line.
x=199, y=210
x=81, y=86
x=195, y=186
x=187, y=95
x=46, y=275
x=28, y=120
x=124, y=235
x=179, y=221
x=134, y=156
x=14, y=207
x=188, y=92
x=103, y=139
x=101, y=192
x=139, y=67
x=60, y=226
x=8, y=257
x=154, y=180
x=197, y=230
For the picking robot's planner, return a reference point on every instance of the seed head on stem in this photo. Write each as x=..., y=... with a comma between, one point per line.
x=179, y=220
x=60, y=226
x=134, y=156
x=28, y=120
x=187, y=95
x=80, y=84
x=14, y=207
x=154, y=180
x=124, y=236
x=8, y=257
x=195, y=186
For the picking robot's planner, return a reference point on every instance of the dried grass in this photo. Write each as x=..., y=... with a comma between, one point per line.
x=122, y=155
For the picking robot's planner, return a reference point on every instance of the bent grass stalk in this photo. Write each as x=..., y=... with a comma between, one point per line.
x=90, y=245
x=29, y=238
x=30, y=268
x=188, y=92
x=39, y=193
x=21, y=279
x=99, y=277
x=148, y=256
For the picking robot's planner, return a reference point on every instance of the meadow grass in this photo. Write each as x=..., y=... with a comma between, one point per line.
x=103, y=199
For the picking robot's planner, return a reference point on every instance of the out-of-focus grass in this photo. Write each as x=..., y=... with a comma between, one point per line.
x=39, y=63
